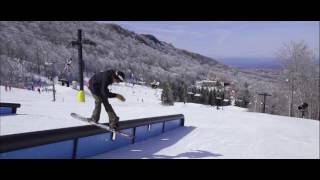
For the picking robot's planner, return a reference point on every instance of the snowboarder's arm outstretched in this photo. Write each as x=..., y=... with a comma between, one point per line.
x=105, y=91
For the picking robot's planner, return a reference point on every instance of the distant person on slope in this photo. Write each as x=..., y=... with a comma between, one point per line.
x=98, y=85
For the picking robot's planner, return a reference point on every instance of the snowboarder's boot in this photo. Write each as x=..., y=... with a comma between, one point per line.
x=92, y=120
x=114, y=124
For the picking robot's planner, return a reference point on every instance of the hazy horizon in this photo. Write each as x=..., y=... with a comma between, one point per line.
x=229, y=39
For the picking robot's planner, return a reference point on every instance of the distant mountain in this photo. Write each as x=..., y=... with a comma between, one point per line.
x=27, y=46
x=252, y=63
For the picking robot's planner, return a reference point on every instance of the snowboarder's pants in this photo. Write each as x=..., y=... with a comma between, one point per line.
x=113, y=119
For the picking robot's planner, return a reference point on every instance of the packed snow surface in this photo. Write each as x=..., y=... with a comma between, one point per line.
x=208, y=133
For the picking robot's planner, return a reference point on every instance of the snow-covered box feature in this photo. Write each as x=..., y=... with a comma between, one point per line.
x=83, y=141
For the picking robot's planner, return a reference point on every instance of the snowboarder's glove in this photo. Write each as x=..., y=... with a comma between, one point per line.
x=120, y=97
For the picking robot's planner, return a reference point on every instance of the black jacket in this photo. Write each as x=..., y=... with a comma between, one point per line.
x=98, y=84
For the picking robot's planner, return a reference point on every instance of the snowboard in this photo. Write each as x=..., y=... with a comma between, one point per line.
x=102, y=126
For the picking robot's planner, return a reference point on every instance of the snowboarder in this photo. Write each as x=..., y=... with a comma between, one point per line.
x=98, y=85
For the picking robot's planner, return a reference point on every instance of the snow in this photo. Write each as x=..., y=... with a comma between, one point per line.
x=209, y=133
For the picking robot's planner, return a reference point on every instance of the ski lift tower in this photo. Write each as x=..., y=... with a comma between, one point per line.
x=51, y=77
x=264, y=100
x=79, y=43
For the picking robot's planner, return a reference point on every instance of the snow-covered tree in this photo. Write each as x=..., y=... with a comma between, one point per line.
x=300, y=75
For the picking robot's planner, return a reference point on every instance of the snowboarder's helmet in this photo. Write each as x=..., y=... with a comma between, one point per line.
x=120, y=76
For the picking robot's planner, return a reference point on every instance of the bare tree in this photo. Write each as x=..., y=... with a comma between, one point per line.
x=299, y=72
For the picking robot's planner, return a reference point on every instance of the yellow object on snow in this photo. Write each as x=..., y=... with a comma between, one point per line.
x=81, y=97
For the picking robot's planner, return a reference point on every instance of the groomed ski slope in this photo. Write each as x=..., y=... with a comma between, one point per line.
x=209, y=133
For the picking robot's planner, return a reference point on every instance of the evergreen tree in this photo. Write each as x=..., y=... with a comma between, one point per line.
x=174, y=90
x=180, y=92
x=211, y=98
x=205, y=96
x=167, y=97
x=184, y=92
x=244, y=96
x=214, y=98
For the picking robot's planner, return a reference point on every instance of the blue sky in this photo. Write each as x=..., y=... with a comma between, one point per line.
x=229, y=39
